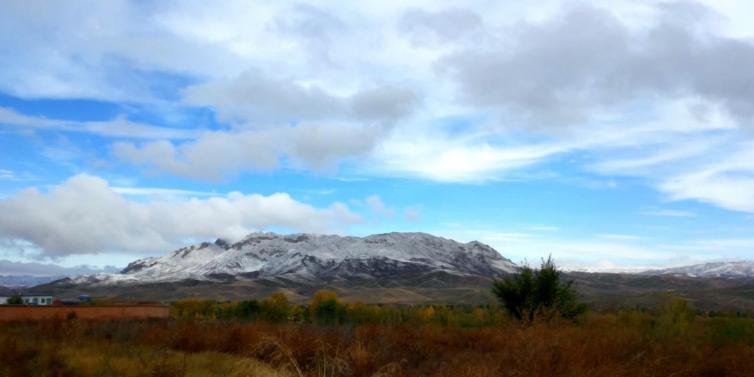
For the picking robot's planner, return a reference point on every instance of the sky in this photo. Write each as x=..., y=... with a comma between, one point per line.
x=613, y=136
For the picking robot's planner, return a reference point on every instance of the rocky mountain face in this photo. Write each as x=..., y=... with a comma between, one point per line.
x=728, y=270
x=310, y=258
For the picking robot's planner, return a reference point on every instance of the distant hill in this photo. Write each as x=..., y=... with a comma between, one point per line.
x=402, y=268
x=611, y=290
x=20, y=281
x=5, y=291
x=731, y=270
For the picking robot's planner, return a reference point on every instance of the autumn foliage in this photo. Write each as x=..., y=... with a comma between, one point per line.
x=332, y=338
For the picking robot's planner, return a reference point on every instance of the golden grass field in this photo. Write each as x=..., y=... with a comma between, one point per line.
x=673, y=340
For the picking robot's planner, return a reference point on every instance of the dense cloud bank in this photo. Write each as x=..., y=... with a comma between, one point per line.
x=85, y=215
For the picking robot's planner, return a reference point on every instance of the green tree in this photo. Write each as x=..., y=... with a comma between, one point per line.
x=275, y=308
x=15, y=300
x=675, y=317
x=531, y=293
x=325, y=309
x=248, y=310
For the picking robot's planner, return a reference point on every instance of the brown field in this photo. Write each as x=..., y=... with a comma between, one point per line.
x=20, y=313
x=624, y=343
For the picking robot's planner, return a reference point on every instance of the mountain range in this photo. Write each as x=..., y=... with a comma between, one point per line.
x=311, y=258
x=384, y=268
x=729, y=270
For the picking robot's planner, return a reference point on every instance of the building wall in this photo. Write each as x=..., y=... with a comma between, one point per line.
x=37, y=300
x=20, y=313
x=30, y=300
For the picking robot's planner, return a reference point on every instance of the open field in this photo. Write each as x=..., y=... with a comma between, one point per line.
x=272, y=338
x=17, y=313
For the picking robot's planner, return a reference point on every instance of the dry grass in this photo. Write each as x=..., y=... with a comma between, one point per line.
x=604, y=344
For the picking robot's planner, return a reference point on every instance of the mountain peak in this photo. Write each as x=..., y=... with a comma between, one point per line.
x=315, y=257
x=222, y=243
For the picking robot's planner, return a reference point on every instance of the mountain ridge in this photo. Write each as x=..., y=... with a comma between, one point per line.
x=398, y=268
x=741, y=269
x=304, y=257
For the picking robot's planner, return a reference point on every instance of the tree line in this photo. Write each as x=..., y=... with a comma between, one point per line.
x=524, y=296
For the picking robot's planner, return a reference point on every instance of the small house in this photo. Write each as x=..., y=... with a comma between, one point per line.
x=37, y=299
x=30, y=299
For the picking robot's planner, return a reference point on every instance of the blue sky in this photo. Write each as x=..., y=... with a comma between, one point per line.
x=614, y=138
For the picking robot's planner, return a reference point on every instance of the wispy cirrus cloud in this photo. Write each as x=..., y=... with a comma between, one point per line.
x=11, y=175
x=160, y=192
x=664, y=212
x=119, y=127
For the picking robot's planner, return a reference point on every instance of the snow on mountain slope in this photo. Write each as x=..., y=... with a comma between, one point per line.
x=735, y=269
x=310, y=257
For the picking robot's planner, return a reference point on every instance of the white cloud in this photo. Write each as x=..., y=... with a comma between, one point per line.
x=727, y=182
x=320, y=192
x=46, y=269
x=543, y=228
x=254, y=97
x=604, y=56
x=600, y=252
x=412, y=214
x=619, y=237
x=85, y=215
x=432, y=28
x=712, y=168
x=215, y=154
x=668, y=213
x=375, y=203
x=10, y=175
x=117, y=127
x=585, y=61
x=328, y=127
x=661, y=92
x=485, y=152
x=61, y=49
x=158, y=192
x=448, y=159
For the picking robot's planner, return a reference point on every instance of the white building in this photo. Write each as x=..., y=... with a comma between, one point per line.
x=30, y=299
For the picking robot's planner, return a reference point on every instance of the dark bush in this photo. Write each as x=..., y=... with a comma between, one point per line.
x=15, y=300
x=538, y=293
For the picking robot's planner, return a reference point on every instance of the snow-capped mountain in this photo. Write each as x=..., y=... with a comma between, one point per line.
x=312, y=258
x=734, y=269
